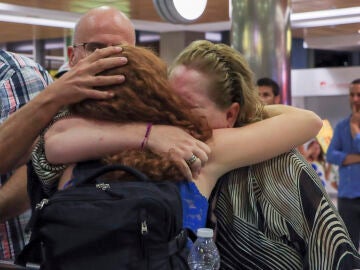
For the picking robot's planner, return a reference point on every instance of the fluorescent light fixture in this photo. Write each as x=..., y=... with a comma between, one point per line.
x=36, y=21
x=145, y=37
x=213, y=36
x=37, y=16
x=230, y=9
x=30, y=47
x=325, y=17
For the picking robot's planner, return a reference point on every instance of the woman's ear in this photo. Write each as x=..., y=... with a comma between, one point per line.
x=232, y=114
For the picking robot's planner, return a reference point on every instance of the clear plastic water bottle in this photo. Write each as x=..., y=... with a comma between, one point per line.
x=204, y=254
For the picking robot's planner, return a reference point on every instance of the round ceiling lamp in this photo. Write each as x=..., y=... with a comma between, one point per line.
x=180, y=11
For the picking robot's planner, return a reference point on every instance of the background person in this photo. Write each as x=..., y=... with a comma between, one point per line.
x=326, y=171
x=344, y=151
x=269, y=91
x=21, y=79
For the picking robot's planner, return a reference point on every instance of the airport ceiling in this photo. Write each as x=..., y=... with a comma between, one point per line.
x=144, y=13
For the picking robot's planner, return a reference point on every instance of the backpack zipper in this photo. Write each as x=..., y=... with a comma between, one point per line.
x=41, y=204
x=144, y=231
x=102, y=186
x=144, y=228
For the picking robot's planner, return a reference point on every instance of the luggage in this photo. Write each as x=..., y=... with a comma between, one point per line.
x=104, y=224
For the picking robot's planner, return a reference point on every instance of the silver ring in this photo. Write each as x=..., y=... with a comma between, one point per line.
x=191, y=160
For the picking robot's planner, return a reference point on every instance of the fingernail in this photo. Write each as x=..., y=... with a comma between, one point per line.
x=110, y=94
x=123, y=60
x=121, y=78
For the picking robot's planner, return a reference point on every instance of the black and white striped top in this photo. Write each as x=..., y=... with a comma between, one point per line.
x=277, y=215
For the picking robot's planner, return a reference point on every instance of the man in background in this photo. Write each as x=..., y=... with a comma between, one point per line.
x=344, y=151
x=269, y=91
x=21, y=79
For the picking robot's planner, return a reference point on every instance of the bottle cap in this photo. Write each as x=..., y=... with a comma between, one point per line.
x=205, y=232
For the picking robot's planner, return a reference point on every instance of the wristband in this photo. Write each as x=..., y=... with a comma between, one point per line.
x=146, y=137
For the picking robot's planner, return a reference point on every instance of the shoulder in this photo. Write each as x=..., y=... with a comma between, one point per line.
x=289, y=169
x=18, y=67
x=21, y=79
x=17, y=61
x=343, y=122
x=290, y=159
x=22, y=75
x=288, y=163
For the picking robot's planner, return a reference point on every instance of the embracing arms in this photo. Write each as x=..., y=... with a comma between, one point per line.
x=286, y=128
x=77, y=139
x=72, y=140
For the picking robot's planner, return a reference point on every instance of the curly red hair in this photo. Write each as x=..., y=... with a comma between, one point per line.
x=145, y=96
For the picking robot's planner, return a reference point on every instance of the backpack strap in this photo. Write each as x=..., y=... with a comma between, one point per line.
x=177, y=244
x=191, y=234
x=87, y=172
x=32, y=255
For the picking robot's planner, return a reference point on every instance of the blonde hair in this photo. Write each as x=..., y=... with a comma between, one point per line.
x=230, y=77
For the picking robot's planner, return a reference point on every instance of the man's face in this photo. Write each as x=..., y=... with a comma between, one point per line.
x=99, y=34
x=267, y=95
x=193, y=87
x=354, y=97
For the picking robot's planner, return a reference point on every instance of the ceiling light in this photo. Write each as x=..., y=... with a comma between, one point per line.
x=325, y=17
x=37, y=16
x=213, y=36
x=36, y=21
x=180, y=11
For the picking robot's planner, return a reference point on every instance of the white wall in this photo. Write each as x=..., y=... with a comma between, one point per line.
x=333, y=108
x=323, y=90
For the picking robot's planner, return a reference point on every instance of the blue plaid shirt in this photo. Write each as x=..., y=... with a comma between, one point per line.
x=21, y=79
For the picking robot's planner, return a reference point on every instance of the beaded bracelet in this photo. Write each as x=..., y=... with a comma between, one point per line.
x=146, y=137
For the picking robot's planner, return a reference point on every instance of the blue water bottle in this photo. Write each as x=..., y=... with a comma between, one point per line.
x=204, y=254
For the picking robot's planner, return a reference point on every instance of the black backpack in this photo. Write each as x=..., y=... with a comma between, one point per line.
x=100, y=224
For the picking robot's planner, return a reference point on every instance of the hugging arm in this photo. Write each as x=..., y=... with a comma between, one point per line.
x=77, y=139
x=286, y=128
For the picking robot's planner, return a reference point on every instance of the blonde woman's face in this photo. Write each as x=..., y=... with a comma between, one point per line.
x=193, y=86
